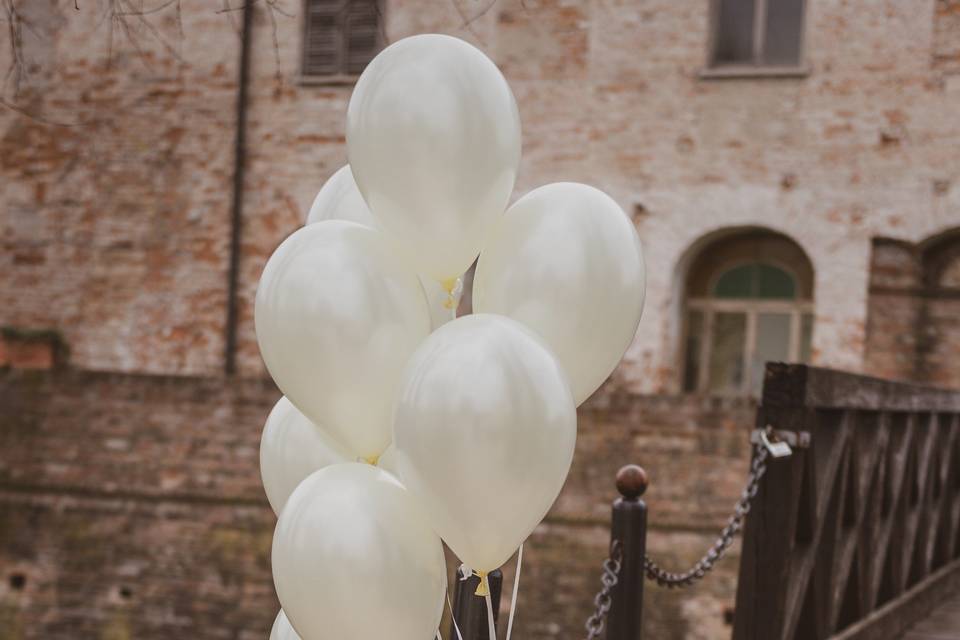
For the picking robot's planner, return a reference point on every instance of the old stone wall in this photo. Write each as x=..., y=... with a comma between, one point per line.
x=895, y=308
x=611, y=92
x=130, y=503
x=115, y=173
x=116, y=209
x=131, y=507
x=914, y=304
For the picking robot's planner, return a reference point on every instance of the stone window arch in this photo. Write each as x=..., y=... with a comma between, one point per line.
x=748, y=299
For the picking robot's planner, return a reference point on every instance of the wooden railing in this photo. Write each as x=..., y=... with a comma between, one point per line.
x=853, y=536
x=856, y=535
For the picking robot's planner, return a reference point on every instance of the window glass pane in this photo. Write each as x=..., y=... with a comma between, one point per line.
x=806, y=336
x=733, y=39
x=736, y=283
x=691, y=365
x=726, y=352
x=756, y=281
x=773, y=282
x=783, y=29
x=773, y=345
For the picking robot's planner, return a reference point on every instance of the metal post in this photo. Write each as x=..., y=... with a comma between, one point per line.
x=629, y=531
x=470, y=611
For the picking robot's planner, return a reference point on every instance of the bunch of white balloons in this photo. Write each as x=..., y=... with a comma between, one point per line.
x=402, y=425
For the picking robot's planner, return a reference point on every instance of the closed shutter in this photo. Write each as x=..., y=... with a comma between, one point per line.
x=341, y=36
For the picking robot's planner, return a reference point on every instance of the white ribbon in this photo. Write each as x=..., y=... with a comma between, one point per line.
x=516, y=587
x=455, y=626
x=490, y=624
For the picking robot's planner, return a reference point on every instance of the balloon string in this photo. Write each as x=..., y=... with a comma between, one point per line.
x=513, y=596
x=490, y=623
x=455, y=625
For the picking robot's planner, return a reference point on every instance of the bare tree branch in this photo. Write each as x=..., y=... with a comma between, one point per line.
x=273, y=7
x=40, y=118
x=153, y=30
x=468, y=19
x=18, y=68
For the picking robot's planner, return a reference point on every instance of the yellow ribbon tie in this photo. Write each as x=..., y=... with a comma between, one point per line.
x=448, y=285
x=372, y=460
x=483, y=589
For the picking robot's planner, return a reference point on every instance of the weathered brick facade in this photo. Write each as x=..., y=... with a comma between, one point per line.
x=130, y=504
x=914, y=304
x=132, y=507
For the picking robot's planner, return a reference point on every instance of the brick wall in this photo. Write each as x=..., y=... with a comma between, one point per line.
x=130, y=504
x=894, y=311
x=913, y=305
x=610, y=94
x=115, y=204
x=118, y=224
x=131, y=507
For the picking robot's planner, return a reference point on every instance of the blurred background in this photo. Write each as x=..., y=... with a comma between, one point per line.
x=791, y=166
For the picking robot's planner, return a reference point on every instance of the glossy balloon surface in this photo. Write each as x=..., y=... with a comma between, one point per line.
x=337, y=317
x=433, y=136
x=354, y=559
x=566, y=261
x=484, y=431
x=291, y=448
x=339, y=199
x=281, y=629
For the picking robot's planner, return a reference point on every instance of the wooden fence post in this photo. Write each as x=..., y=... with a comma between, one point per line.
x=629, y=531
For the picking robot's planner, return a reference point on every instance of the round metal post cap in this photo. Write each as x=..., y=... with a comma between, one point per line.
x=631, y=481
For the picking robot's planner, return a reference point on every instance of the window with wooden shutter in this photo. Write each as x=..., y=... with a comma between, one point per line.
x=340, y=36
x=757, y=34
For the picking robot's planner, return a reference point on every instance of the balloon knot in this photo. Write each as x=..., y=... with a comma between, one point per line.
x=449, y=285
x=483, y=589
x=453, y=287
x=372, y=460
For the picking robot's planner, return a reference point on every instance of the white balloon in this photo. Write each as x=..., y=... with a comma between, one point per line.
x=388, y=460
x=291, y=448
x=433, y=135
x=443, y=304
x=566, y=261
x=339, y=199
x=281, y=628
x=484, y=431
x=337, y=315
x=354, y=559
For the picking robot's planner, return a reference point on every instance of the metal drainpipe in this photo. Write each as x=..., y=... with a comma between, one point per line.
x=236, y=210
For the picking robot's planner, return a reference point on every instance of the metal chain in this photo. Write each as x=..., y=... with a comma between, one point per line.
x=667, y=579
x=611, y=572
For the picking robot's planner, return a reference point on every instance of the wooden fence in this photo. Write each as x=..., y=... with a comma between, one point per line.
x=856, y=535
x=853, y=536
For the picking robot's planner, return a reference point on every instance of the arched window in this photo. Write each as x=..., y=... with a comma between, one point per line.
x=749, y=300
